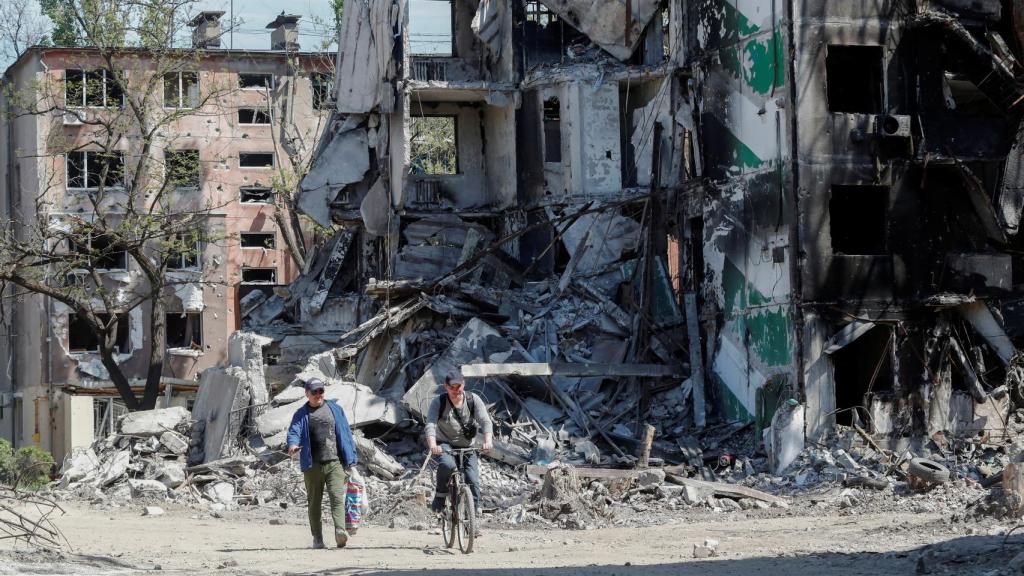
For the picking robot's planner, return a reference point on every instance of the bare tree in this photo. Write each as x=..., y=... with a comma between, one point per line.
x=21, y=26
x=118, y=196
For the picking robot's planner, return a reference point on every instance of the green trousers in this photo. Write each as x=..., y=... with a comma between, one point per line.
x=332, y=475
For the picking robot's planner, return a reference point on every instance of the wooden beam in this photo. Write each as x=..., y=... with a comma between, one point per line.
x=572, y=369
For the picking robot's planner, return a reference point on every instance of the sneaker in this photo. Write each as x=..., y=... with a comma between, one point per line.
x=341, y=538
x=318, y=543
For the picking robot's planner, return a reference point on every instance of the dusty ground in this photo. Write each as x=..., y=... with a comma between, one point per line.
x=108, y=541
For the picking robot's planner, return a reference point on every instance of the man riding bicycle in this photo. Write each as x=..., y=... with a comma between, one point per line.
x=454, y=419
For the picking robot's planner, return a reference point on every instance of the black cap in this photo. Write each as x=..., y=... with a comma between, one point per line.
x=314, y=384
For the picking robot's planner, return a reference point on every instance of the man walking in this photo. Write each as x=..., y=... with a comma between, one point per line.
x=319, y=432
x=454, y=418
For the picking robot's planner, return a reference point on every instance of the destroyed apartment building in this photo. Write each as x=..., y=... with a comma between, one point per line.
x=611, y=216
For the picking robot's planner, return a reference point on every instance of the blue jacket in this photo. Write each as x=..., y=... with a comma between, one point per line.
x=298, y=435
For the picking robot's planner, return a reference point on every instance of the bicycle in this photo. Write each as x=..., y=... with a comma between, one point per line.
x=458, y=519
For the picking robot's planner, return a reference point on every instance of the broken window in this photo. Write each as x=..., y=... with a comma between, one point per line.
x=83, y=338
x=91, y=170
x=182, y=168
x=539, y=13
x=100, y=251
x=260, y=116
x=181, y=89
x=184, y=330
x=264, y=240
x=256, y=81
x=858, y=218
x=91, y=88
x=433, y=148
x=184, y=253
x=323, y=90
x=552, y=131
x=255, y=159
x=853, y=75
x=256, y=195
x=430, y=28
x=259, y=275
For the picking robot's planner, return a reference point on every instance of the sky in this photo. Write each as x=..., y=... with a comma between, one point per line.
x=429, y=23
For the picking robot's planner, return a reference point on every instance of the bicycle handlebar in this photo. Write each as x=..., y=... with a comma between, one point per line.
x=463, y=450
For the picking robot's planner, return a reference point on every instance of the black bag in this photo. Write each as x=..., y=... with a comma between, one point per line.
x=468, y=430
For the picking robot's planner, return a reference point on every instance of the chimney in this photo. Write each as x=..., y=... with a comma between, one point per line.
x=285, y=35
x=206, y=29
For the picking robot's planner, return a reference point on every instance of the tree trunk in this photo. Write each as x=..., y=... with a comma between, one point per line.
x=124, y=387
x=157, y=352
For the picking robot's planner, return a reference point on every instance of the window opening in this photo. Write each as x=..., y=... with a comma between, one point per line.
x=433, y=146
x=853, y=368
x=91, y=88
x=182, y=168
x=853, y=76
x=256, y=159
x=255, y=81
x=101, y=251
x=184, y=330
x=85, y=169
x=265, y=240
x=858, y=218
x=181, y=89
x=184, y=254
x=83, y=338
x=259, y=116
x=323, y=90
x=259, y=275
x=430, y=28
x=256, y=195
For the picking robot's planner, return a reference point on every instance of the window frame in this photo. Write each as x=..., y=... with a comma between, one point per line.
x=321, y=91
x=181, y=91
x=256, y=110
x=84, y=104
x=181, y=266
x=120, y=185
x=73, y=247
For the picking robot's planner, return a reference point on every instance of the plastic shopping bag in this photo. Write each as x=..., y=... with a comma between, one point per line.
x=354, y=498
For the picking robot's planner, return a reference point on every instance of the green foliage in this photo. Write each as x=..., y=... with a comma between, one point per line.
x=65, y=28
x=29, y=467
x=432, y=145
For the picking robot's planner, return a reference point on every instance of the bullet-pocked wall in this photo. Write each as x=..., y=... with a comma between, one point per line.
x=745, y=284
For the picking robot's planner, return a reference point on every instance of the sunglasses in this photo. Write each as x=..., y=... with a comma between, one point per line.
x=455, y=385
x=319, y=392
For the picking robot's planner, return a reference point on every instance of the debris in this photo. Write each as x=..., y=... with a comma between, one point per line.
x=154, y=422
x=153, y=511
x=924, y=472
x=707, y=550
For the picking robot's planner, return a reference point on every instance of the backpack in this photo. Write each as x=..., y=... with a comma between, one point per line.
x=468, y=430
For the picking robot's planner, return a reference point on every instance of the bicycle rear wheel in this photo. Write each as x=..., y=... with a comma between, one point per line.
x=467, y=520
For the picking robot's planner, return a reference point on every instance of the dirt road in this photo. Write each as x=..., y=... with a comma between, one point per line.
x=804, y=544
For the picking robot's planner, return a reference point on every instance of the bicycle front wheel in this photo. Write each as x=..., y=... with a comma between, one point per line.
x=448, y=526
x=467, y=520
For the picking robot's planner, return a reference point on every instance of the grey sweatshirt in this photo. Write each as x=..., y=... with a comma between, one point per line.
x=448, y=430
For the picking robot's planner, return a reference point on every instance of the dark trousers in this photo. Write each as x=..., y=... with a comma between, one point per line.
x=446, y=465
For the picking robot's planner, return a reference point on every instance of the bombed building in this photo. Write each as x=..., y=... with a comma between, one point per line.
x=612, y=215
